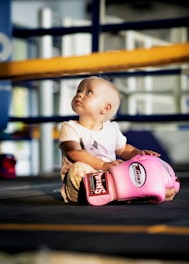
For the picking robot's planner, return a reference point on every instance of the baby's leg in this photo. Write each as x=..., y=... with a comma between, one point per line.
x=72, y=185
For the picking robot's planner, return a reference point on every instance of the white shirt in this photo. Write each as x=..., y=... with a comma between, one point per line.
x=100, y=143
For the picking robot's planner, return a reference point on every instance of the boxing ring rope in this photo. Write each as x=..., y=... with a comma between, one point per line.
x=163, y=118
x=95, y=63
x=120, y=74
x=21, y=32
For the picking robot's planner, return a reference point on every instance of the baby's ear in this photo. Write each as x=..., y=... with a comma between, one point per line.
x=107, y=108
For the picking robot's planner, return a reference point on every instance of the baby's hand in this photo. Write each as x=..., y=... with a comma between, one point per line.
x=148, y=152
x=107, y=165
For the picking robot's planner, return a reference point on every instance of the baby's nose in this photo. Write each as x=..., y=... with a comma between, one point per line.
x=80, y=95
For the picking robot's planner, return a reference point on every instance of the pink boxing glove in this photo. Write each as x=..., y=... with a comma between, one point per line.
x=143, y=176
x=171, y=180
x=147, y=177
x=99, y=186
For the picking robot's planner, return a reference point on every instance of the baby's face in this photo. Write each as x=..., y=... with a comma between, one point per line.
x=91, y=98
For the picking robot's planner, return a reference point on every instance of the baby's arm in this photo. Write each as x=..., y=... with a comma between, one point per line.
x=129, y=151
x=75, y=153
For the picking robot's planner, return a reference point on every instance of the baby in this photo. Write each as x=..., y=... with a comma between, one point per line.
x=94, y=142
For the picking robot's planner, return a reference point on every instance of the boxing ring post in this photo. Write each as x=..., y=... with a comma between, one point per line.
x=46, y=98
x=95, y=25
x=5, y=54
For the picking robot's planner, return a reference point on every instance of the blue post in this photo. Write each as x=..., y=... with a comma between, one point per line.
x=96, y=27
x=5, y=55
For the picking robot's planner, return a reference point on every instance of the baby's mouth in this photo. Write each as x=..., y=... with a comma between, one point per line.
x=77, y=102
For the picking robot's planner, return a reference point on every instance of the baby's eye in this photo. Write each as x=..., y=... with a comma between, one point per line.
x=89, y=92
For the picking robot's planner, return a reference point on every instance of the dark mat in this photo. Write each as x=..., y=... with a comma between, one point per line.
x=33, y=216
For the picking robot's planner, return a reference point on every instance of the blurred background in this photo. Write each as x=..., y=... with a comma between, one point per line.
x=35, y=146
